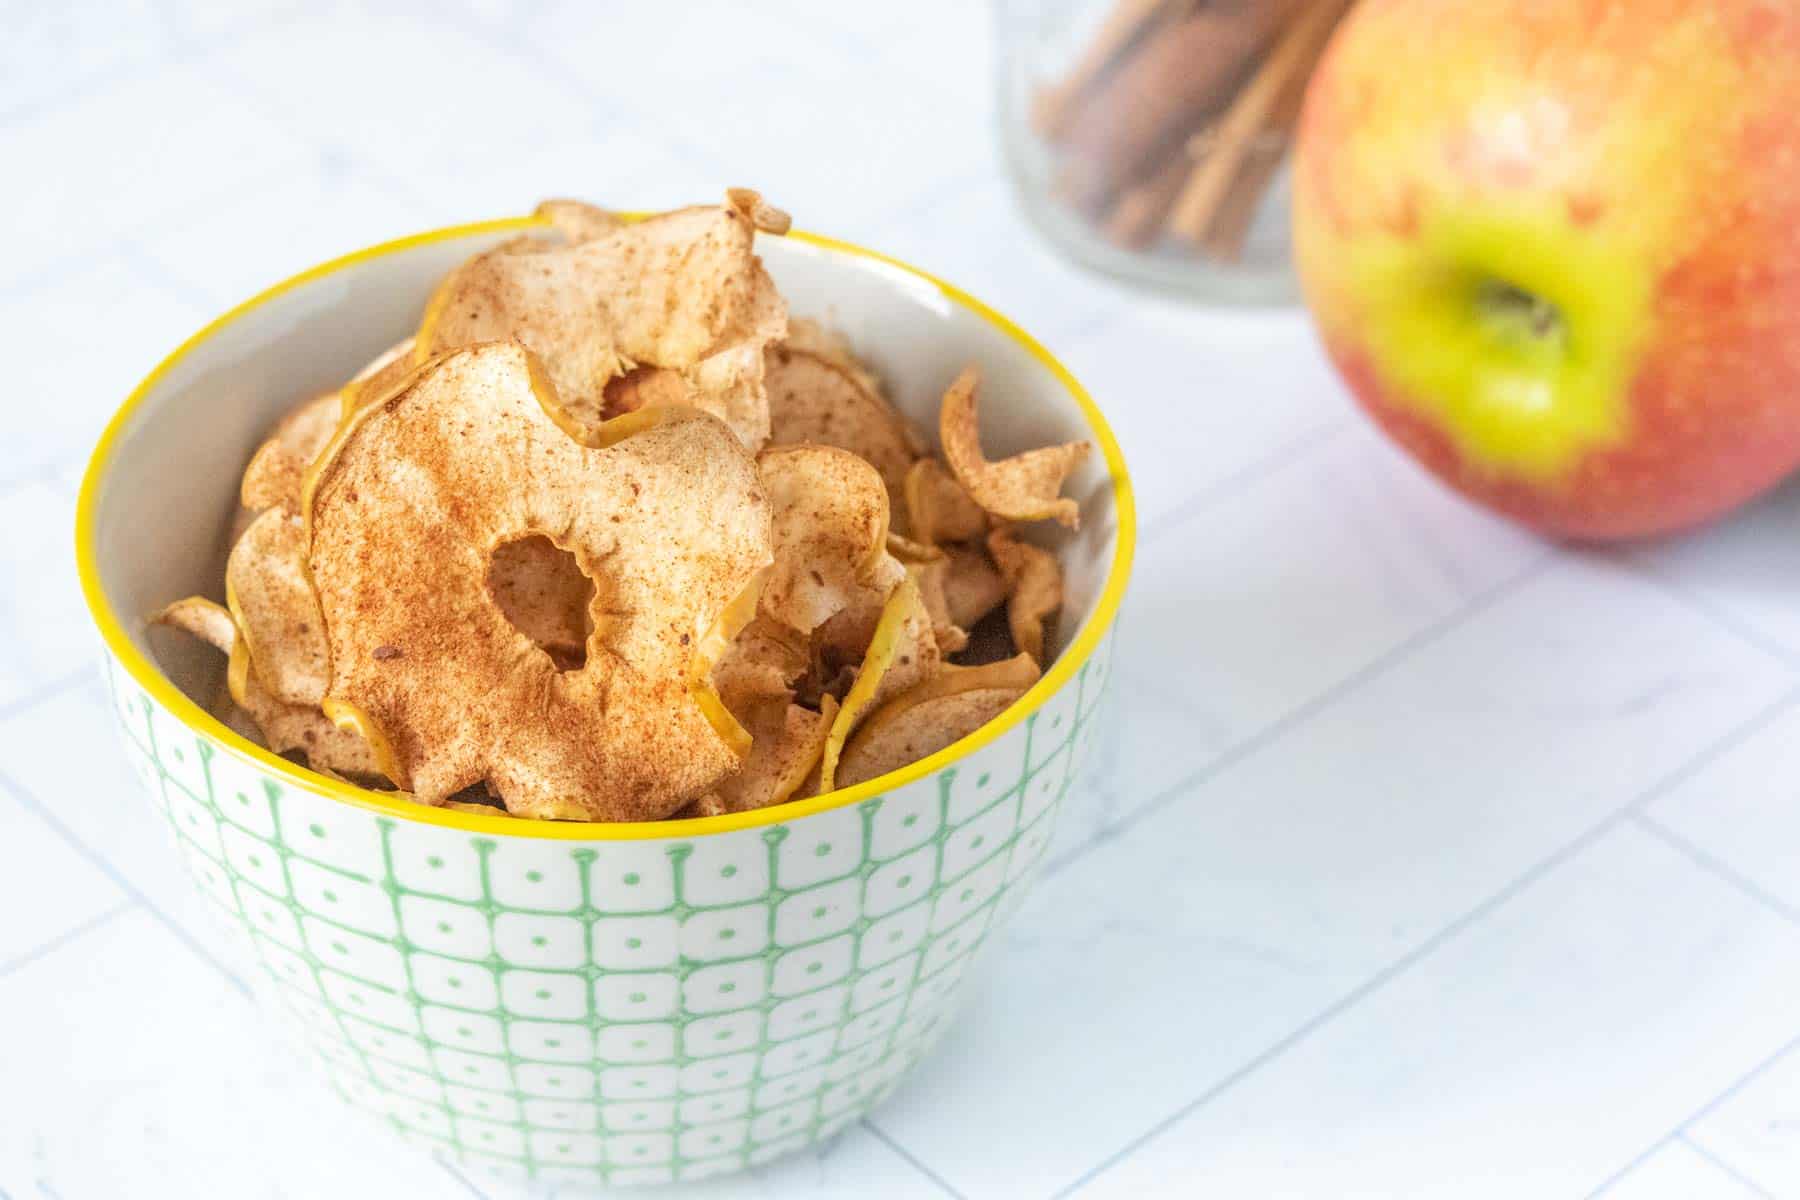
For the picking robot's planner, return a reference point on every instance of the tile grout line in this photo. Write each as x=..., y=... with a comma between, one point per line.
x=65, y=937
x=1716, y=867
x=1698, y=1115
x=1289, y=454
x=1626, y=813
x=1350, y=999
x=1698, y=603
x=882, y=1136
x=45, y=692
x=25, y=797
x=1704, y=1152
x=1321, y=701
x=450, y=1169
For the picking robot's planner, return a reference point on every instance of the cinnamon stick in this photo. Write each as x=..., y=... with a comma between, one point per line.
x=1130, y=21
x=1284, y=72
x=1138, y=214
x=1168, y=86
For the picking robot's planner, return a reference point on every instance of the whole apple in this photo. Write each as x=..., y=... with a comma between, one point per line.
x=1554, y=248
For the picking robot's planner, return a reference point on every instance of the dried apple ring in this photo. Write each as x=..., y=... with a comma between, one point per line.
x=830, y=518
x=276, y=612
x=972, y=587
x=664, y=512
x=1034, y=588
x=901, y=655
x=284, y=728
x=682, y=291
x=1025, y=487
x=938, y=713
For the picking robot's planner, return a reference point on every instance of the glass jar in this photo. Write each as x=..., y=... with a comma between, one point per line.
x=1150, y=139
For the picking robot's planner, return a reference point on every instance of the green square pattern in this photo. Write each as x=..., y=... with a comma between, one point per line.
x=617, y=1012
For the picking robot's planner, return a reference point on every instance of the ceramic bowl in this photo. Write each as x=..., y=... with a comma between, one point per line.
x=616, y=1003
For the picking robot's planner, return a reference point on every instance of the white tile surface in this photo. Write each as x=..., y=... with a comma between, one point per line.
x=1514, y=1061
x=1756, y=1130
x=1357, y=864
x=47, y=890
x=1679, y=1172
x=1744, y=808
x=1180, y=948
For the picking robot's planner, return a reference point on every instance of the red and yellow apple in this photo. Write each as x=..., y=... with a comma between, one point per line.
x=1554, y=248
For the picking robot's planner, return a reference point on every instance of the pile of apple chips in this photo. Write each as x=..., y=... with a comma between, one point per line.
x=611, y=538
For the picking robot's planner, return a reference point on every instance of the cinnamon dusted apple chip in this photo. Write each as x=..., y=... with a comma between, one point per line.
x=830, y=534
x=663, y=510
x=374, y=381
x=764, y=661
x=901, y=654
x=272, y=479
x=284, y=728
x=787, y=742
x=681, y=292
x=1025, y=487
x=1034, y=588
x=813, y=399
x=276, y=612
x=929, y=576
x=577, y=220
x=937, y=713
x=972, y=587
x=938, y=509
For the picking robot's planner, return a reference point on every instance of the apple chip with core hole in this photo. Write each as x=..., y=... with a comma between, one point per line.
x=284, y=728
x=664, y=512
x=276, y=612
x=682, y=291
x=938, y=713
x=1025, y=487
x=938, y=509
x=1034, y=589
x=830, y=533
x=812, y=399
x=900, y=655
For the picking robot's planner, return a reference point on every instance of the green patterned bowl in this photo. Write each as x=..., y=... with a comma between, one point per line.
x=615, y=1003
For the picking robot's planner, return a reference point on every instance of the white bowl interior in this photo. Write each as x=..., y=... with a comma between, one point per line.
x=167, y=494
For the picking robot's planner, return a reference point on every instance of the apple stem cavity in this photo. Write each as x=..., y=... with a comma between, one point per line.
x=1514, y=309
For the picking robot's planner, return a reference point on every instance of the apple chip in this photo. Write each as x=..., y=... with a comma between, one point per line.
x=830, y=516
x=788, y=741
x=374, y=381
x=708, y=805
x=813, y=399
x=937, y=508
x=901, y=654
x=275, y=610
x=577, y=220
x=682, y=292
x=663, y=510
x=1034, y=588
x=284, y=728
x=938, y=713
x=929, y=577
x=814, y=337
x=972, y=587
x=1025, y=487
x=272, y=479
x=764, y=661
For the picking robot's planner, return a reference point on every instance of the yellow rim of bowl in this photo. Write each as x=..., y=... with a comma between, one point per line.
x=151, y=679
